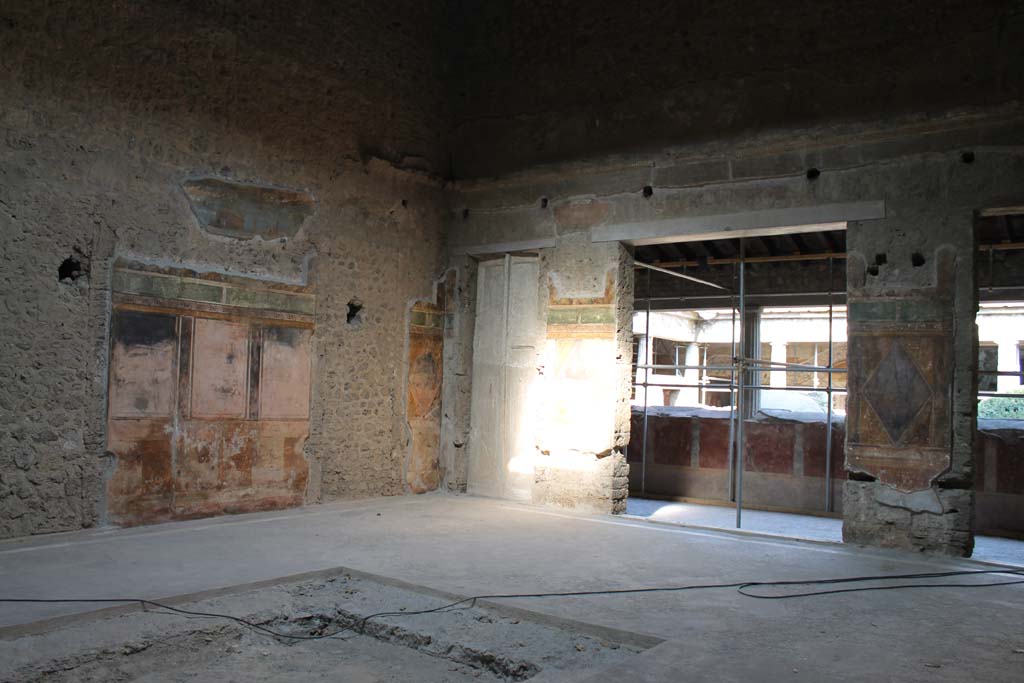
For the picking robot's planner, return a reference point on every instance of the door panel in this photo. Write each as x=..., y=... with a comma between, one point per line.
x=488, y=356
x=504, y=372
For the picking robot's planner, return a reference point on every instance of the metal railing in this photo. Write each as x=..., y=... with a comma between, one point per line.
x=742, y=365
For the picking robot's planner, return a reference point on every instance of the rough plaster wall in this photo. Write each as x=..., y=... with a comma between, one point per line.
x=931, y=189
x=106, y=110
x=582, y=463
x=936, y=223
x=563, y=80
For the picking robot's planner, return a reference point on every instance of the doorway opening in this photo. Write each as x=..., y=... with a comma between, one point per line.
x=739, y=380
x=999, y=441
x=685, y=442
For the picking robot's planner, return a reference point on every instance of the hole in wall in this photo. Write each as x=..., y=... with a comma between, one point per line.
x=873, y=270
x=543, y=202
x=465, y=214
x=860, y=476
x=880, y=259
x=648, y=191
x=70, y=270
x=967, y=157
x=405, y=203
x=916, y=260
x=813, y=173
x=355, y=312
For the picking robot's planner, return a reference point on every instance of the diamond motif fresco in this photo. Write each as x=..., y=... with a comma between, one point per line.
x=897, y=391
x=898, y=426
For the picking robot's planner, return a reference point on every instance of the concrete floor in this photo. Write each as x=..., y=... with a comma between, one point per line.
x=468, y=545
x=807, y=527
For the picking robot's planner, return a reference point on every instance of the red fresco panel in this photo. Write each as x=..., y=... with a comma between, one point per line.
x=423, y=409
x=141, y=490
x=814, y=450
x=714, y=444
x=142, y=368
x=220, y=359
x=669, y=440
x=205, y=454
x=285, y=374
x=769, y=447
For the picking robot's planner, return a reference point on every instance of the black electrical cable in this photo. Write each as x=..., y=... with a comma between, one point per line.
x=741, y=587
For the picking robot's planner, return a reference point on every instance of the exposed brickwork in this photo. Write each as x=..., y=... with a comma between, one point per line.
x=867, y=520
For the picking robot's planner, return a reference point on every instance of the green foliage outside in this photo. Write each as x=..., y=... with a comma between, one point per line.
x=1002, y=408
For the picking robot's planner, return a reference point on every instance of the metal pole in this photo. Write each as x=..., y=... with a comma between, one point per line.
x=804, y=368
x=732, y=396
x=673, y=273
x=828, y=394
x=648, y=351
x=506, y=422
x=694, y=385
x=739, y=394
x=683, y=366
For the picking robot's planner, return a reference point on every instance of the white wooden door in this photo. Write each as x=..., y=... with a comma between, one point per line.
x=505, y=348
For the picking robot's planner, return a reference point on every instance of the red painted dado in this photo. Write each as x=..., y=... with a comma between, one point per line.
x=669, y=442
x=714, y=443
x=769, y=447
x=814, y=450
x=999, y=462
x=786, y=461
x=206, y=416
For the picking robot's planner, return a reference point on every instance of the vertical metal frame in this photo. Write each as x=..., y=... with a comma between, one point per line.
x=648, y=352
x=740, y=384
x=741, y=366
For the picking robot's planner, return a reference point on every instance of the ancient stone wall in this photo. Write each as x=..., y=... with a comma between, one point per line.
x=562, y=80
x=583, y=428
x=114, y=115
x=208, y=395
x=911, y=270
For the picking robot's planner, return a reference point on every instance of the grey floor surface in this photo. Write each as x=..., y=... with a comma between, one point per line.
x=808, y=527
x=469, y=546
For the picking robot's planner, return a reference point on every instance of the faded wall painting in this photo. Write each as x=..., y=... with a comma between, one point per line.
x=208, y=404
x=899, y=409
x=427, y=329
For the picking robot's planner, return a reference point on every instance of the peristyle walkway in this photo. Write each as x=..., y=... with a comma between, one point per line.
x=807, y=527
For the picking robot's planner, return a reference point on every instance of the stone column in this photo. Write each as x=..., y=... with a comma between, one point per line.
x=1008, y=361
x=689, y=395
x=584, y=420
x=910, y=417
x=778, y=379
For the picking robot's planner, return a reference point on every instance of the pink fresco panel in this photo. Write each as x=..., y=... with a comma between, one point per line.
x=142, y=368
x=220, y=361
x=285, y=374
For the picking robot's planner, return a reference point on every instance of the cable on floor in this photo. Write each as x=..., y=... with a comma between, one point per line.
x=742, y=587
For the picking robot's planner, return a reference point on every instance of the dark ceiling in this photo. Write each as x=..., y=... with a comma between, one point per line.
x=709, y=252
